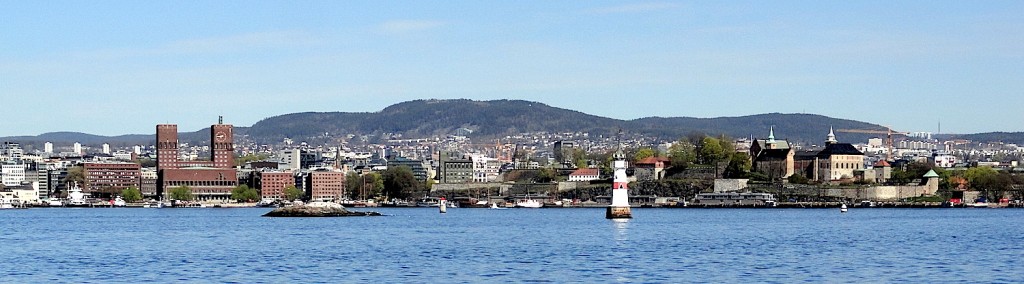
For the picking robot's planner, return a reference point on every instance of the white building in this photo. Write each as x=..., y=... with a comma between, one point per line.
x=77, y=148
x=47, y=147
x=122, y=155
x=485, y=169
x=106, y=148
x=11, y=151
x=12, y=174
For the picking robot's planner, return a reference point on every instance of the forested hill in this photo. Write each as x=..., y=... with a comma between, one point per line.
x=488, y=119
x=424, y=118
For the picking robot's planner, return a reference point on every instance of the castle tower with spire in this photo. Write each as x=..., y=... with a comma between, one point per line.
x=831, y=138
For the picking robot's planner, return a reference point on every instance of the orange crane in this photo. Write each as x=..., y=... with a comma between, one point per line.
x=888, y=133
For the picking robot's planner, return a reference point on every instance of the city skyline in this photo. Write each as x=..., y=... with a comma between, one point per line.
x=120, y=67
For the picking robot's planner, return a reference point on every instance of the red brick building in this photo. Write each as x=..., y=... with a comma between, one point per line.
x=211, y=179
x=325, y=185
x=106, y=180
x=272, y=184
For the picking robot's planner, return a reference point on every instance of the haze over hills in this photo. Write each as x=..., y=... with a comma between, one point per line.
x=497, y=118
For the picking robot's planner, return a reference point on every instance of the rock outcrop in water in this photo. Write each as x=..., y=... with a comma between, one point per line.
x=317, y=210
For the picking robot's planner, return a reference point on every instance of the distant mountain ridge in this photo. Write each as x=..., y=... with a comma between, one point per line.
x=497, y=118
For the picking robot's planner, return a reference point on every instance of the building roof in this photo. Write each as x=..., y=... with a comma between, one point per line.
x=779, y=144
x=651, y=161
x=839, y=149
x=931, y=174
x=774, y=154
x=882, y=163
x=585, y=172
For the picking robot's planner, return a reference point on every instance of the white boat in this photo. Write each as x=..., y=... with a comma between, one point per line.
x=529, y=203
x=428, y=202
x=55, y=203
x=6, y=203
x=734, y=199
x=867, y=204
x=76, y=198
x=495, y=206
x=118, y=202
x=842, y=208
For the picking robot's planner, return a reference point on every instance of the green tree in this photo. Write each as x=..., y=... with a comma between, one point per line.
x=182, y=193
x=76, y=175
x=643, y=153
x=545, y=175
x=711, y=151
x=682, y=154
x=293, y=193
x=243, y=193
x=377, y=185
x=798, y=179
x=980, y=177
x=739, y=166
x=399, y=182
x=131, y=194
x=353, y=185
x=579, y=158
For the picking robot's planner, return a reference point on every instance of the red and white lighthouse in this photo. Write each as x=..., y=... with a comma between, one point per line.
x=620, y=190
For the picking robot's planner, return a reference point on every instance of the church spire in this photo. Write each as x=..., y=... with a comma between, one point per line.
x=771, y=134
x=831, y=139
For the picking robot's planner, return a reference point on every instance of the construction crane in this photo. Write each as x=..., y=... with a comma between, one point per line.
x=888, y=134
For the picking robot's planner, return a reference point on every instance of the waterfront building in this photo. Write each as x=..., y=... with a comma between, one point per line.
x=209, y=180
x=271, y=184
x=148, y=177
x=325, y=185
x=454, y=169
x=108, y=179
x=42, y=182
x=485, y=169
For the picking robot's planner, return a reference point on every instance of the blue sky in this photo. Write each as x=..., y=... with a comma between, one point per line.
x=118, y=67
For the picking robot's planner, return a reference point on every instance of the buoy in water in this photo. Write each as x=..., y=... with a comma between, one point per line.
x=842, y=208
x=443, y=207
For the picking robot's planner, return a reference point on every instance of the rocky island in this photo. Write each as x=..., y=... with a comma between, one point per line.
x=317, y=209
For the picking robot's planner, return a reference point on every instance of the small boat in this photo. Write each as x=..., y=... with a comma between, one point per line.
x=55, y=203
x=842, y=208
x=118, y=202
x=866, y=204
x=529, y=203
x=495, y=206
x=428, y=202
x=6, y=203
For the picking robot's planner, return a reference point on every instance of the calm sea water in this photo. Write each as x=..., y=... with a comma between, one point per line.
x=414, y=245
